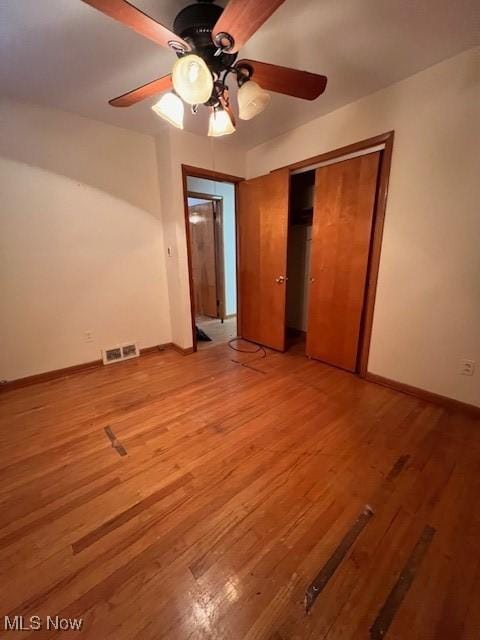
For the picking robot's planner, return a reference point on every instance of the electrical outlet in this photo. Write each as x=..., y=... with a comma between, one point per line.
x=88, y=336
x=467, y=367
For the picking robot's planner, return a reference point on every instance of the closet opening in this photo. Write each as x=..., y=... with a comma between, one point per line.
x=310, y=237
x=331, y=236
x=211, y=221
x=300, y=218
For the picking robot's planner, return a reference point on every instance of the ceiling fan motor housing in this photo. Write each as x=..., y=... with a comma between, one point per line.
x=194, y=24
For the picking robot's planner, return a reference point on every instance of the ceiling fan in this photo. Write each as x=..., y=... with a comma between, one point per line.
x=206, y=39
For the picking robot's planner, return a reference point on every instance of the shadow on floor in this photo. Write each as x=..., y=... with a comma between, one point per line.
x=217, y=331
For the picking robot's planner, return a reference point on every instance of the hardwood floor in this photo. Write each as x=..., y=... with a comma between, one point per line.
x=216, y=330
x=237, y=487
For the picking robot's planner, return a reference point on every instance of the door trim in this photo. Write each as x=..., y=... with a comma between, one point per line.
x=383, y=138
x=207, y=174
x=377, y=230
x=348, y=156
x=375, y=252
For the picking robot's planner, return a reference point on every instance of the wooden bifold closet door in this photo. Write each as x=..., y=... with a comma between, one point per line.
x=262, y=231
x=342, y=226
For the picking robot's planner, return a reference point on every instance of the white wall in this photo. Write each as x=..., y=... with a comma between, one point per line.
x=81, y=243
x=427, y=313
x=181, y=147
x=193, y=201
x=227, y=192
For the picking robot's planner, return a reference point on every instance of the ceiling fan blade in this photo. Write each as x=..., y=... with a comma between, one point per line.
x=292, y=82
x=132, y=17
x=240, y=19
x=141, y=93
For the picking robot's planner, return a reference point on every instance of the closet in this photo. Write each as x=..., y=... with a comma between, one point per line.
x=299, y=242
x=305, y=241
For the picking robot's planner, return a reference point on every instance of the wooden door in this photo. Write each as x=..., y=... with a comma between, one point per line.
x=342, y=227
x=204, y=270
x=262, y=231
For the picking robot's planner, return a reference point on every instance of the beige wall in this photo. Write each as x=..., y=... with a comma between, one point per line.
x=427, y=314
x=81, y=242
x=180, y=148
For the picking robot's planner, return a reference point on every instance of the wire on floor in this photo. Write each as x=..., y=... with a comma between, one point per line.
x=258, y=349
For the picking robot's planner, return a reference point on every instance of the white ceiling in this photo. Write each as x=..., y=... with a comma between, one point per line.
x=64, y=54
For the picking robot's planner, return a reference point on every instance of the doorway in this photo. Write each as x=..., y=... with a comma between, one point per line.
x=205, y=215
x=211, y=225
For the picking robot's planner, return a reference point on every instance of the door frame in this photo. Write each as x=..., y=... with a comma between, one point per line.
x=377, y=228
x=218, y=241
x=215, y=176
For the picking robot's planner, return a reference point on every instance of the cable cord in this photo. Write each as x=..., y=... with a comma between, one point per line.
x=259, y=349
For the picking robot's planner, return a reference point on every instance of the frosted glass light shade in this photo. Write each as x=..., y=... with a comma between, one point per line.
x=220, y=123
x=170, y=108
x=192, y=79
x=252, y=100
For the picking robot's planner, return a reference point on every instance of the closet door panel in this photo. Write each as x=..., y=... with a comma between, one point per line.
x=263, y=231
x=342, y=226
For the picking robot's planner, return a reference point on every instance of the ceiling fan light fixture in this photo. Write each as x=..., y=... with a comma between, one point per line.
x=171, y=109
x=192, y=79
x=220, y=123
x=252, y=100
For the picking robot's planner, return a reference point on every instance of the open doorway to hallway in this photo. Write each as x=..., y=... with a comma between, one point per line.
x=213, y=259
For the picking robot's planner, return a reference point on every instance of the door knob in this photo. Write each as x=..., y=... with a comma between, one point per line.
x=281, y=279
x=312, y=279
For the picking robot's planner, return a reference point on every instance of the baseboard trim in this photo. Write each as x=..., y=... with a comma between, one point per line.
x=155, y=349
x=184, y=352
x=423, y=394
x=50, y=375
x=84, y=366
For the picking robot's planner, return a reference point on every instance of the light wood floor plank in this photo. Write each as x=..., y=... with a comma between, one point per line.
x=238, y=485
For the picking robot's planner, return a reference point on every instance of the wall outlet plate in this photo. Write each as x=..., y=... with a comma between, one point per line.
x=467, y=367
